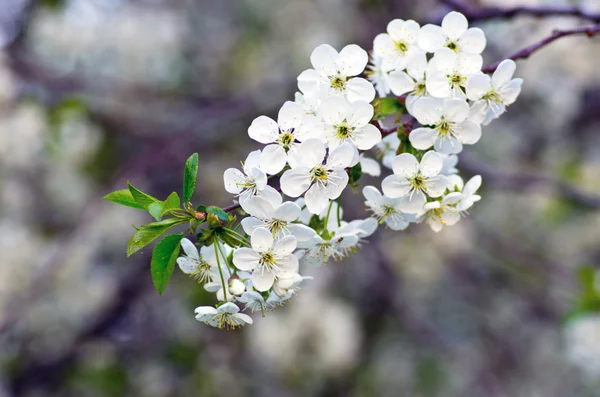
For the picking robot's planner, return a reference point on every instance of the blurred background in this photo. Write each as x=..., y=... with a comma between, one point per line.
x=97, y=92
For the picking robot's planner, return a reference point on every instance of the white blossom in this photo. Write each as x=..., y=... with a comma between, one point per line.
x=582, y=343
x=386, y=210
x=413, y=181
x=324, y=180
x=267, y=259
x=334, y=72
x=492, y=95
x=369, y=166
x=378, y=74
x=449, y=72
x=468, y=196
x=438, y=214
x=225, y=316
x=387, y=149
x=310, y=103
x=399, y=44
x=411, y=82
x=347, y=122
x=198, y=265
x=450, y=127
x=256, y=303
x=454, y=34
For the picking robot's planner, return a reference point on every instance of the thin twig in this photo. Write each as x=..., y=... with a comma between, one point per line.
x=487, y=13
x=524, y=53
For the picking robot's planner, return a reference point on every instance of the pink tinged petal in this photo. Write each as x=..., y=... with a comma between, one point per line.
x=261, y=240
x=504, y=72
x=456, y=110
x=264, y=130
x=335, y=190
x=341, y=156
x=454, y=25
x=400, y=82
x=436, y=185
x=447, y=145
x=316, y=199
x=273, y=158
x=352, y=60
x=287, y=212
x=372, y=194
x=288, y=265
x=394, y=186
x=250, y=224
x=405, y=165
x=294, y=182
x=231, y=178
x=431, y=38
x=413, y=204
x=477, y=86
x=309, y=81
x=367, y=137
x=437, y=84
x=259, y=207
x=360, y=114
x=290, y=116
x=431, y=164
x=359, y=89
x=335, y=109
x=245, y=258
x=310, y=153
x=422, y=138
x=190, y=249
x=472, y=41
x=323, y=58
x=428, y=110
x=301, y=232
x=468, y=132
x=285, y=245
x=262, y=280
x=370, y=166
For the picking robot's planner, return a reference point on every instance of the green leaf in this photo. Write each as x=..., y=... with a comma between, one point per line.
x=218, y=212
x=388, y=106
x=355, y=174
x=150, y=232
x=189, y=177
x=156, y=209
x=143, y=199
x=171, y=203
x=123, y=197
x=163, y=260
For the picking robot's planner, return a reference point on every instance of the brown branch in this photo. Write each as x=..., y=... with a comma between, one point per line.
x=487, y=13
x=524, y=53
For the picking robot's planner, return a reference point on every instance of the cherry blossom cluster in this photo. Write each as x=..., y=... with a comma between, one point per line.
x=290, y=190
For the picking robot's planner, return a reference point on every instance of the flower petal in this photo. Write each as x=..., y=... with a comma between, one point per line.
x=352, y=60
x=272, y=159
x=359, y=89
x=366, y=137
x=262, y=281
x=245, y=258
x=394, y=186
x=405, y=165
x=436, y=185
x=504, y=72
x=323, y=58
x=456, y=110
x=431, y=37
x=431, y=164
x=472, y=41
x=400, y=82
x=454, y=25
x=264, y=130
x=261, y=240
x=372, y=195
x=422, y=138
x=290, y=115
x=285, y=245
x=316, y=199
x=341, y=156
x=287, y=212
x=428, y=110
x=294, y=182
x=233, y=178
x=360, y=114
x=468, y=132
x=335, y=109
x=190, y=249
x=477, y=86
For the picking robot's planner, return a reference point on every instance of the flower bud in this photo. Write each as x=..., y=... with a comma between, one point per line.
x=236, y=286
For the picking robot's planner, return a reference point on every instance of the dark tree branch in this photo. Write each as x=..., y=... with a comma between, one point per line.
x=524, y=53
x=487, y=13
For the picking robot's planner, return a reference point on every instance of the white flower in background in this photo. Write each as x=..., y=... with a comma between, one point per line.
x=285, y=288
x=310, y=103
x=450, y=127
x=331, y=210
x=267, y=259
x=387, y=149
x=198, y=265
x=277, y=217
x=450, y=161
x=438, y=214
x=468, y=196
x=413, y=181
x=347, y=122
x=324, y=181
x=281, y=137
x=449, y=72
x=225, y=316
x=492, y=95
x=334, y=72
x=411, y=82
x=256, y=303
x=369, y=166
x=582, y=343
x=252, y=182
x=318, y=251
x=399, y=44
x=377, y=73
x=386, y=210
x=454, y=34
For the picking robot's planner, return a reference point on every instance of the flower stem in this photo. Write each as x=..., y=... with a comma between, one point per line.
x=339, y=218
x=216, y=244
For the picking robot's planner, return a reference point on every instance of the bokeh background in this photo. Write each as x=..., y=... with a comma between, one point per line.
x=97, y=92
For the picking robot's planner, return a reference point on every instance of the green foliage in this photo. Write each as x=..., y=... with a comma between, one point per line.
x=171, y=203
x=355, y=174
x=143, y=199
x=387, y=106
x=189, y=177
x=219, y=212
x=150, y=232
x=589, y=297
x=163, y=261
x=123, y=197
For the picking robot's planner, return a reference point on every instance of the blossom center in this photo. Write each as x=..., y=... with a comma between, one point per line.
x=457, y=80
x=492, y=96
x=452, y=45
x=276, y=226
x=420, y=89
x=444, y=127
x=319, y=174
x=343, y=131
x=267, y=259
x=287, y=138
x=338, y=82
x=417, y=182
x=401, y=46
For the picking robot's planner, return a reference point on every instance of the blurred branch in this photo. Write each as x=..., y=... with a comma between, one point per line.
x=526, y=52
x=487, y=13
